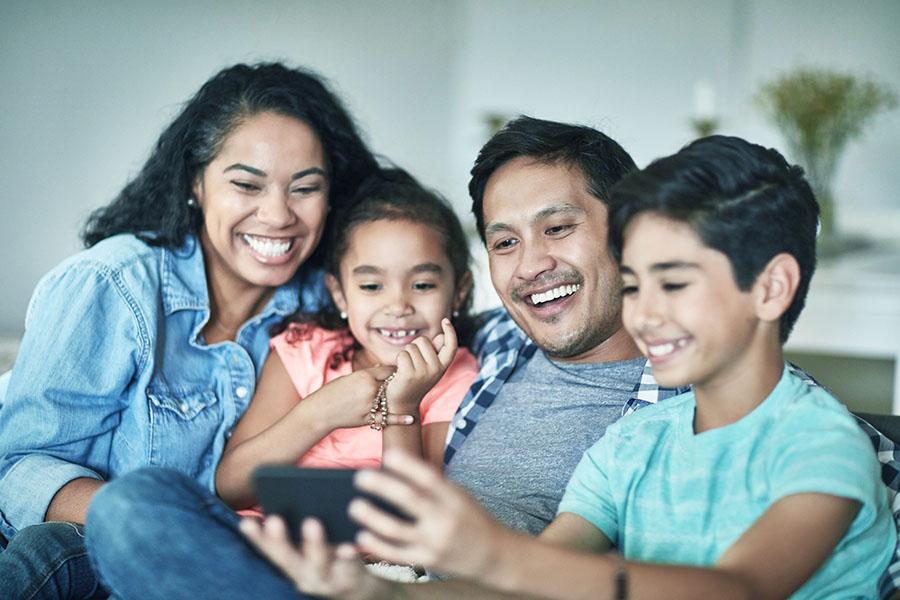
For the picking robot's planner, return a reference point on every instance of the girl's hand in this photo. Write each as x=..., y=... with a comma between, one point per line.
x=346, y=401
x=420, y=365
x=316, y=567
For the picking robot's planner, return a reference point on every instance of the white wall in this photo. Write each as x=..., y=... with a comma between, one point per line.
x=86, y=87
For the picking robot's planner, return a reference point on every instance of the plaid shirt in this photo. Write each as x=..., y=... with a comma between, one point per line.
x=500, y=343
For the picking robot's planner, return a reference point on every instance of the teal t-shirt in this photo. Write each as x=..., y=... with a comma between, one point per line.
x=664, y=494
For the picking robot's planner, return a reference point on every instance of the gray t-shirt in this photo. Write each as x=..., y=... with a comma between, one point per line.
x=519, y=457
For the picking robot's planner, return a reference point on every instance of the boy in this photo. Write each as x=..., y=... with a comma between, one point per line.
x=755, y=484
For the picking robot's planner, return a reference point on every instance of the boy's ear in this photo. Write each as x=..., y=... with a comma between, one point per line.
x=337, y=293
x=462, y=290
x=776, y=286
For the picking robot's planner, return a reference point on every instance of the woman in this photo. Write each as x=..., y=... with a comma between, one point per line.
x=143, y=350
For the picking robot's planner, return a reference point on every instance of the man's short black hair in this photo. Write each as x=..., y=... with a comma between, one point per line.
x=602, y=161
x=741, y=199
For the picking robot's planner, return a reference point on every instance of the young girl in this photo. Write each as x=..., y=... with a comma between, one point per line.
x=384, y=371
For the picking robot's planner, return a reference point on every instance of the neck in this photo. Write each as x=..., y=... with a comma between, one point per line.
x=734, y=392
x=617, y=347
x=230, y=307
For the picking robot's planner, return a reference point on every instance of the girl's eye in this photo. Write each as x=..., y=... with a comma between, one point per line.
x=246, y=186
x=369, y=287
x=673, y=287
x=422, y=286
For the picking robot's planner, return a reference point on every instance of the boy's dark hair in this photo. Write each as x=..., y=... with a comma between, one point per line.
x=741, y=199
x=602, y=161
x=395, y=195
x=154, y=204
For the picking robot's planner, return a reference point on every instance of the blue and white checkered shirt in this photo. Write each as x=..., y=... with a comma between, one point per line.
x=500, y=343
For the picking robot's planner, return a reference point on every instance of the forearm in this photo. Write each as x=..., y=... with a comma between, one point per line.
x=283, y=443
x=71, y=502
x=407, y=438
x=526, y=565
x=435, y=590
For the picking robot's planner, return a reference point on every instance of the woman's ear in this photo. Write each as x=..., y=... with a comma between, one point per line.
x=776, y=286
x=197, y=189
x=336, y=291
x=463, y=287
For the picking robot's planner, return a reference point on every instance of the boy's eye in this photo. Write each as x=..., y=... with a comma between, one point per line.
x=246, y=186
x=422, y=286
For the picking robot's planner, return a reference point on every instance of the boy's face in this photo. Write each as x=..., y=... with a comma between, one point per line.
x=682, y=305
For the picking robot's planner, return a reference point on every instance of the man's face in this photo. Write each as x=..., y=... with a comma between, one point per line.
x=546, y=241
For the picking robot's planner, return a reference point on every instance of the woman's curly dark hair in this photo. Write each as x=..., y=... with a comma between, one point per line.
x=393, y=195
x=154, y=204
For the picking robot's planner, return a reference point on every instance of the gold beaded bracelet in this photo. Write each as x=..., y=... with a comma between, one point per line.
x=379, y=406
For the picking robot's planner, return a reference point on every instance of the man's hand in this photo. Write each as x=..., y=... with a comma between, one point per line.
x=449, y=532
x=420, y=365
x=316, y=567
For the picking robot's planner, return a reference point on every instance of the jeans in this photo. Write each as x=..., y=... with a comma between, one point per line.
x=156, y=533
x=48, y=561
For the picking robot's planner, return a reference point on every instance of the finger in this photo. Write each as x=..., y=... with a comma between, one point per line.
x=391, y=487
x=429, y=354
x=315, y=546
x=451, y=343
x=271, y=539
x=415, y=354
x=393, y=419
x=387, y=550
x=381, y=523
x=404, y=363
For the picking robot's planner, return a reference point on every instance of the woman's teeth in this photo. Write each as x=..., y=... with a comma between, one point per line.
x=268, y=246
x=559, y=292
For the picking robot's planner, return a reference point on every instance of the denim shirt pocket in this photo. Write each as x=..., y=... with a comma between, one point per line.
x=183, y=428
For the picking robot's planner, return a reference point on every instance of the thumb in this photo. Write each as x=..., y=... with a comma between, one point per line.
x=450, y=342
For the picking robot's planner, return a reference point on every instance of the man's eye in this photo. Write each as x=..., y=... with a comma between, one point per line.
x=245, y=186
x=504, y=244
x=557, y=229
x=627, y=290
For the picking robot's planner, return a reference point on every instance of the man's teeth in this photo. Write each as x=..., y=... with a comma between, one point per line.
x=667, y=348
x=267, y=246
x=559, y=292
x=398, y=333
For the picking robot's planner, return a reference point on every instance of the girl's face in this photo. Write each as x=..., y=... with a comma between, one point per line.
x=264, y=200
x=396, y=284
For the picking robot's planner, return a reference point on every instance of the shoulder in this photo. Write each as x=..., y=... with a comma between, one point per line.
x=653, y=420
x=307, y=342
x=497, y=332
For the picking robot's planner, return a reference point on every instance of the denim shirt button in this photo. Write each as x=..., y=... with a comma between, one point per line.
x=241, y=392
x=183, y=407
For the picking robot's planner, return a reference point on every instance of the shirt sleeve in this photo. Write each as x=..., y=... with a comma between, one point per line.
x=589, y=493
x=83, y=344
x=440, y=403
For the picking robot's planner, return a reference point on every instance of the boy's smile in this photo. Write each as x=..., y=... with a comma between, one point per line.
x=682, y=305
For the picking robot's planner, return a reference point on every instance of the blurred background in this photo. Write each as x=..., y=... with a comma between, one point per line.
x=87, y=86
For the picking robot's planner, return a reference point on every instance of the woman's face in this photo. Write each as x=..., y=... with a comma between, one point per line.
x=264, y=200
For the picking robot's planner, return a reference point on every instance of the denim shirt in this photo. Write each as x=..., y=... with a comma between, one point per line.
x=113, y=373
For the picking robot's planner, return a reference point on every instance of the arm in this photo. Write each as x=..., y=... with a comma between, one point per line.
x=84, y=346
x=279, y=428
x=420, y=365
x=452, y=533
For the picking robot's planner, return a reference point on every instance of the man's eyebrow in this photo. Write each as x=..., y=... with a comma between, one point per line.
x=544, y=213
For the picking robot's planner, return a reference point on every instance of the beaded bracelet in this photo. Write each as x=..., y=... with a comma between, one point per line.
x=379, y=406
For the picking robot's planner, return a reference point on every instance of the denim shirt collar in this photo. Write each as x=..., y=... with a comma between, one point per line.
x=184, y=283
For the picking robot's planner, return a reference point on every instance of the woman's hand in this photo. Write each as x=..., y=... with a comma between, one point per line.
x=346, y=401
x=449, y=531
x=420, y=365
x=316, y=567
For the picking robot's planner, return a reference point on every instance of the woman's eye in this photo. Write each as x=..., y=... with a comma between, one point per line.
x=673, y=287
x=306, y=190
x=246, y=186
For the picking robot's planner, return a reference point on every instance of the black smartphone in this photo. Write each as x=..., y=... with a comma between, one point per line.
x=295, y=493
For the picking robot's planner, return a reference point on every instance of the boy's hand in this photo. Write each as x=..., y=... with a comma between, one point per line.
x=346, y=401
x=316, y=567
x=420, y=365
x=449, y=532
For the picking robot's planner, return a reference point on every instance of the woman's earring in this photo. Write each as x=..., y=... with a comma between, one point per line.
x=191, y=202
x=343, y=316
